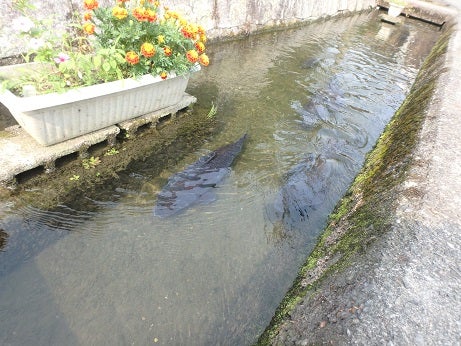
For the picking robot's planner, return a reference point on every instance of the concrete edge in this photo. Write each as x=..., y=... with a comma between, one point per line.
x=320, y=265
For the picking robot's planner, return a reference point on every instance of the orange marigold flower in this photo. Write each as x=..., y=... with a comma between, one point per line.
x=87, y=16
x=163, y=75
x=151, y=15
x=203, y=60
x=200, y=47
x=167, y=50
x=200, y=30
x=132, y=58
x=140, y=14
x=192, y=55
x=90, y=4
x=187, y=31
x=148, y=49
x=88, y=28
x=119, y=12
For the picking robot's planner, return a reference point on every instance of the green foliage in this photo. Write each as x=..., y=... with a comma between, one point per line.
x=213, y=111
x=115, y=42
x=111, y=152
x=92, y=162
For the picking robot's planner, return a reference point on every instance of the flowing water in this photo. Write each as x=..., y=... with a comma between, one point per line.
x=111, y=273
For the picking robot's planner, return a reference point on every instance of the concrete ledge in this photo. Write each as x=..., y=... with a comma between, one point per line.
x=21, y=153
x=426, y=11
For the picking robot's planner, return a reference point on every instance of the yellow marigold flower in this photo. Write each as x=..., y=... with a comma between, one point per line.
x=163, y=75
x=147, y=49
x=188, y=31
x=193, y=28
x=90, y=4
x=172, y=14
x=200, y=47
x=203, y=60
x=160, y=39
x=192, y=55
x=87, y=16
x=132, y=58
x=119, y=12
x=200, y=30
x=182, y=21
x=167, y=50
x=203, y=38
x=88, y=28
x=151, y=15
x=140, y=14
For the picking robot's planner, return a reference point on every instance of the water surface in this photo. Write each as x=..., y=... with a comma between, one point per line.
x=108, y=272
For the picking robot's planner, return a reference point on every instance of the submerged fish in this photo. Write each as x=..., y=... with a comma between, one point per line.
x=195, y=184
x=304, y=191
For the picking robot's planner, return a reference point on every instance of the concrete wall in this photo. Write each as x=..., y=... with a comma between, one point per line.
x=221, y=18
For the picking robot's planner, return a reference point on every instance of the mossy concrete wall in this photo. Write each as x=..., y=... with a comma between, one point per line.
x=393, y=185
x=221, y=18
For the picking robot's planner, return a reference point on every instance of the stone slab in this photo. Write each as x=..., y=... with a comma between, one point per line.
x=391, y=20
x=20, y=152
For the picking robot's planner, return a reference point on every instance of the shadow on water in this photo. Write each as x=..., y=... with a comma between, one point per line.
x=313, y=101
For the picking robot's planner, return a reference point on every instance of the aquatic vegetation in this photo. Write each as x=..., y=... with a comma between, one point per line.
x=91, y=162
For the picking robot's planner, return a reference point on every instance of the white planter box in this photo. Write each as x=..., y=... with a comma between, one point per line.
x=53, y=118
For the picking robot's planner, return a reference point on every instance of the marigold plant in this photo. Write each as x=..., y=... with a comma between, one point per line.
x=155, y=39
x=129, y=39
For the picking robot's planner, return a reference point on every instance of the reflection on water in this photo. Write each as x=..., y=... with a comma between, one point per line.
x=313, y=102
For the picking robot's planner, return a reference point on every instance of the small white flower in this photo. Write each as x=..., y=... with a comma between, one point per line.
x=23, y=24
x=36, y=43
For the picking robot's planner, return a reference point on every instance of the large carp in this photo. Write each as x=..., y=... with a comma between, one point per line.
x=196, y=183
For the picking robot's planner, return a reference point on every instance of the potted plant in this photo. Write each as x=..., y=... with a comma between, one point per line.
x=121, y=62
x=396, y=7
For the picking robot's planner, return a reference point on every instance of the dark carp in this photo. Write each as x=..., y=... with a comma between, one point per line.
x=196, y=183
x=305, y=189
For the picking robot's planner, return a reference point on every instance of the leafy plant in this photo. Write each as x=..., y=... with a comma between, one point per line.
x=92, y=162
x=213, y=111
x=111, y=152
x=129, y=39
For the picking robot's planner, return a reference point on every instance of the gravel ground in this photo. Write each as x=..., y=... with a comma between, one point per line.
x=405, y=288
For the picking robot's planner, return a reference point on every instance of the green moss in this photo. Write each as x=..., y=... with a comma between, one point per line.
x=365, y=212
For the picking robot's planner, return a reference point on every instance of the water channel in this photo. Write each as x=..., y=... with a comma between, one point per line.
x=213, y=275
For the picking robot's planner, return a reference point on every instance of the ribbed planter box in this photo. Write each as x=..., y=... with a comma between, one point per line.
x=56, y=117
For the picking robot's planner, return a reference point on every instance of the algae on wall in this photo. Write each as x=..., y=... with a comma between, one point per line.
x=367, y=210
